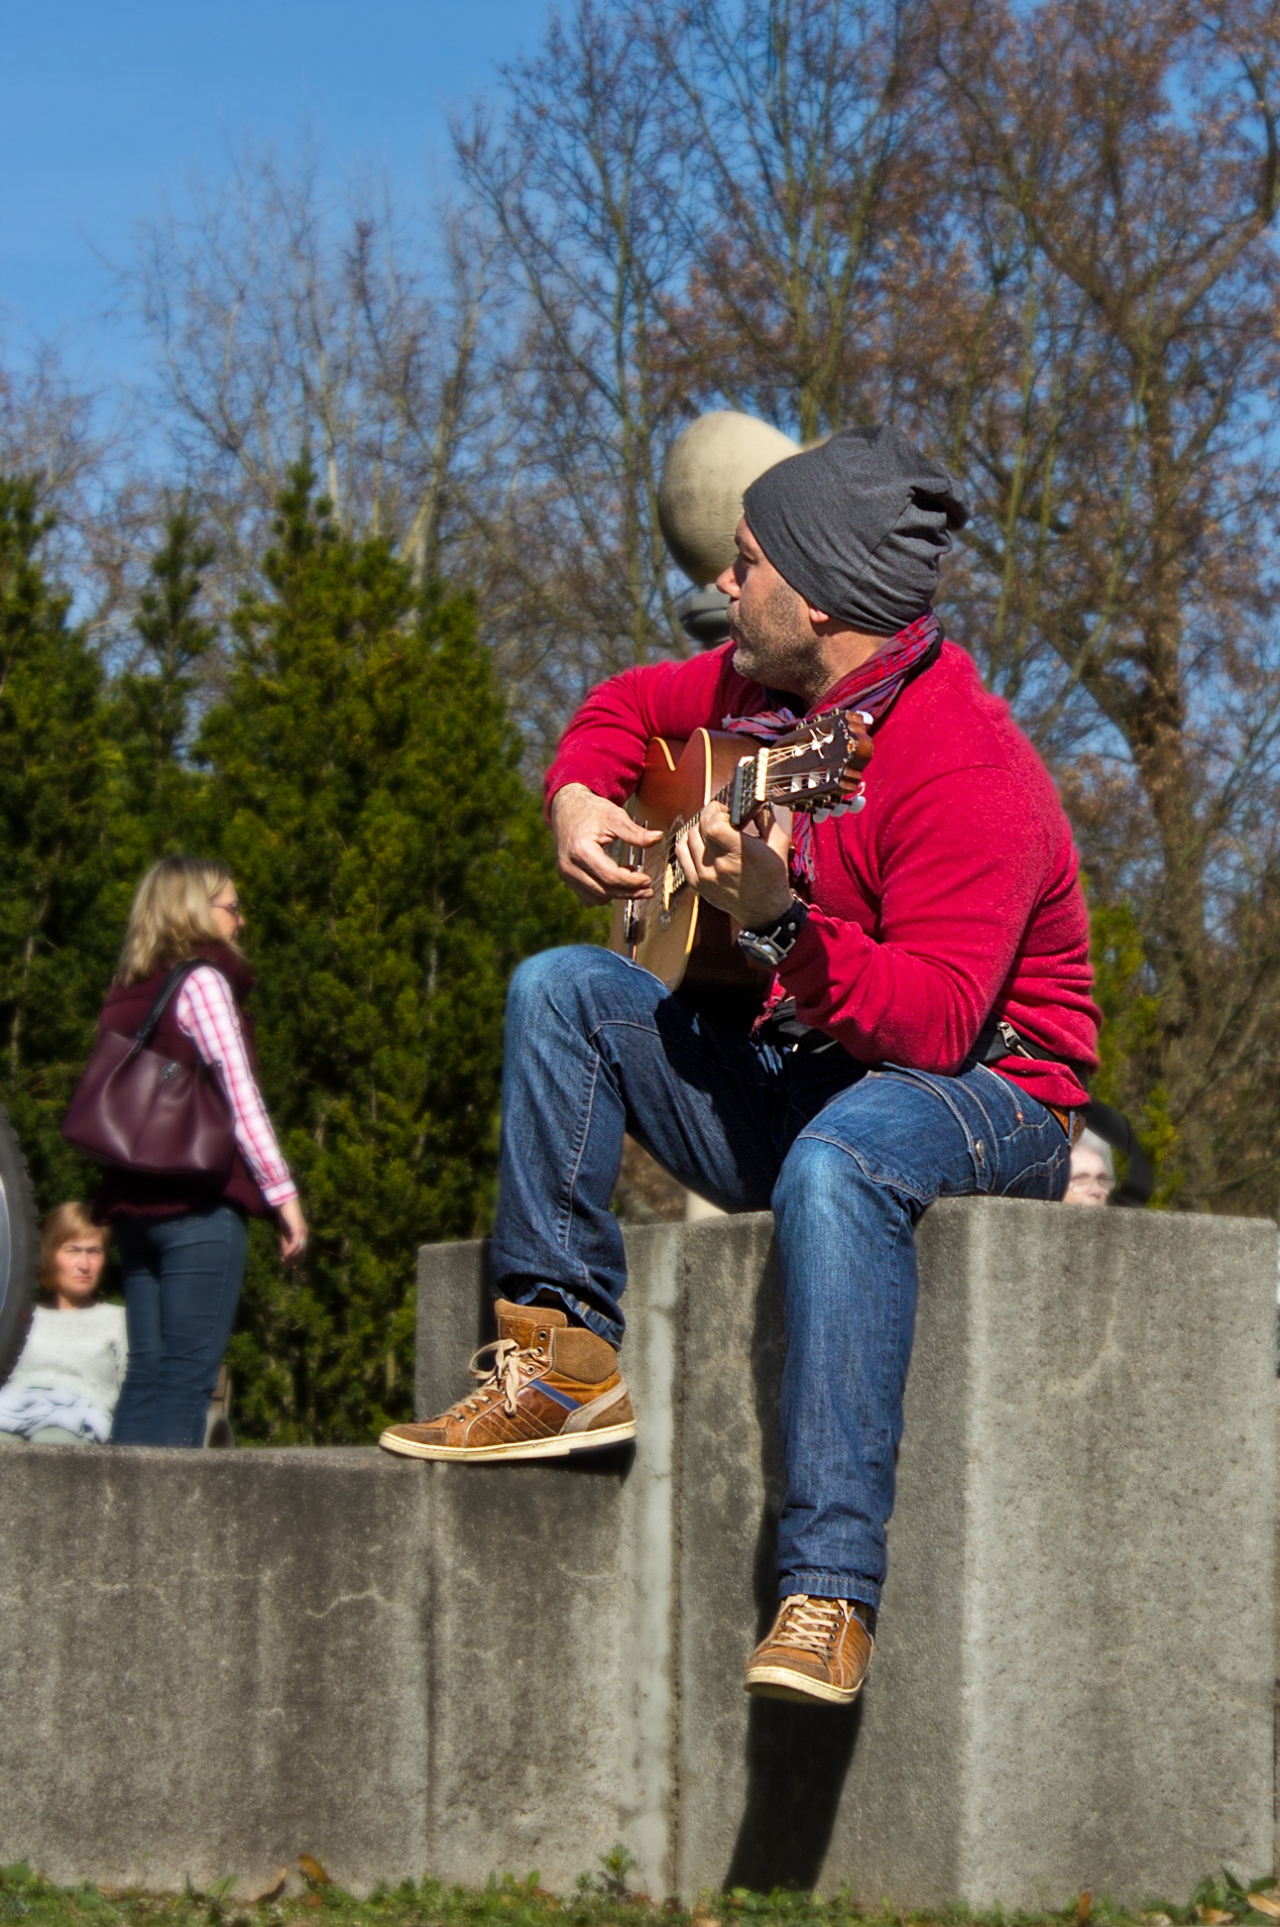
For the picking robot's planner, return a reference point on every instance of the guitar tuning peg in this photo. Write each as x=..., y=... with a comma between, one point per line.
x=820, y=816
x=856, y=803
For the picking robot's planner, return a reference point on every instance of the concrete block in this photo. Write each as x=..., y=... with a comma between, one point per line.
x=551, y=1618
x=212, y=1662
x=454, y=1318
x=1062, y=1697
x=1086, y=1450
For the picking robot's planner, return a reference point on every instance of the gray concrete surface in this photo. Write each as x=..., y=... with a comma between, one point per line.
x=214, y=1662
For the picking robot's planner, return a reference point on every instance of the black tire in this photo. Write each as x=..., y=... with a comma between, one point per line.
x=19, y=1248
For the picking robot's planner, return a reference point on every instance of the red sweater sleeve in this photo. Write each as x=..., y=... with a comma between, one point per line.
x=962, y=861
x=604, y=746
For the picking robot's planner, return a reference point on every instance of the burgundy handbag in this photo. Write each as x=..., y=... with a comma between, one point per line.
x=141, y=1111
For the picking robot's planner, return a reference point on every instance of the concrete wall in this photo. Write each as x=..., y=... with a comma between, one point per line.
x=213, y=1662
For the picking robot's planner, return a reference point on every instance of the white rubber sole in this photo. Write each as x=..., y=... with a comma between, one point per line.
x=780, y=1683
x=558, y=1447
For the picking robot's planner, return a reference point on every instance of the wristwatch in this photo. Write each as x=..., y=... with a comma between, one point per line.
x=770, y=945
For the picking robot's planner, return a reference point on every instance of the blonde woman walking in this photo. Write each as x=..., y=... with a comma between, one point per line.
x=183, y=1242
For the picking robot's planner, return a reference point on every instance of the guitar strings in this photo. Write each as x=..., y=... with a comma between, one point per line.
x=671, y=872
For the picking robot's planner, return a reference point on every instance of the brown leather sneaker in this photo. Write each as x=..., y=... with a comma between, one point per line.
x=816, y=1649
x=550, y=1388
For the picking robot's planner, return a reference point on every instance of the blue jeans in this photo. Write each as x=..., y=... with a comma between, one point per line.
x=847, y=1156
x=182, y=1279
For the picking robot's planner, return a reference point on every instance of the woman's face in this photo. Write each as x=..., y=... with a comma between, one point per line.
x=1089, y=1182
x=77, y=1267
x=227, y=914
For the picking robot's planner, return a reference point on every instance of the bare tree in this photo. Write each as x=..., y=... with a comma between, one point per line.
x=75, y=444
x=804, y=126
x=1107, y=395
x=694, y=202
x=285, y=318
x=583, y=189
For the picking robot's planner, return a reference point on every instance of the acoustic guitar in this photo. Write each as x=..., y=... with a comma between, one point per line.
x=816, y=768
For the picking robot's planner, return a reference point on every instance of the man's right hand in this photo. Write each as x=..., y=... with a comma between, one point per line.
x=584, y=825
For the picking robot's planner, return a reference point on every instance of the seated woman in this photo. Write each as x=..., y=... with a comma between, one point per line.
x=1093, y=1171
x=64, y=1387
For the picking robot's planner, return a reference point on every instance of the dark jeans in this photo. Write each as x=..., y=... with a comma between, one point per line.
x=848, y=1158
x=182, y=1279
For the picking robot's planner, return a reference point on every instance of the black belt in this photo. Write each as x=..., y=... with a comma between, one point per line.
x=998, y=1039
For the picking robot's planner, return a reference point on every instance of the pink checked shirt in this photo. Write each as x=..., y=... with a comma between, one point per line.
x=206, y=1012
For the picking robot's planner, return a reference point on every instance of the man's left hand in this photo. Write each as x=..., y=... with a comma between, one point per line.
x=742, y=871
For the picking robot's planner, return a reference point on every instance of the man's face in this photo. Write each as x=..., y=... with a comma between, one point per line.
x=768, y=620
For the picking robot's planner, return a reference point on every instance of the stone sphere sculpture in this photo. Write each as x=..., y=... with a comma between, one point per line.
x=700, y=496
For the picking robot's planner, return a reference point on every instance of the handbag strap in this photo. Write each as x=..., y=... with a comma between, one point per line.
x=146, y=1031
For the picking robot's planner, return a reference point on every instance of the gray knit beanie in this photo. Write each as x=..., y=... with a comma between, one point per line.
x=858, y=525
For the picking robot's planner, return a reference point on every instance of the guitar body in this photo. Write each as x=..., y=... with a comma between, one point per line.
x=675, y=934
x=815, y=768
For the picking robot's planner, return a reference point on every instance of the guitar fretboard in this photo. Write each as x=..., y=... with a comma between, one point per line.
x=673, y=877
x=815, y=787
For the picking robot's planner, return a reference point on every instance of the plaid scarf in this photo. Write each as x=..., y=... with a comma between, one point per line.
x=872, y=689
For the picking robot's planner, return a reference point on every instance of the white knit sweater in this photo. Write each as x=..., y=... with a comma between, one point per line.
x=84, y=1352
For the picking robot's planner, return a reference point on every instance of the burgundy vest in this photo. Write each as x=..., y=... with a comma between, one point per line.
x=128, y=1194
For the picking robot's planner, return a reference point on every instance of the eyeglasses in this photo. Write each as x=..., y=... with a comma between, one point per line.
x=232, y=910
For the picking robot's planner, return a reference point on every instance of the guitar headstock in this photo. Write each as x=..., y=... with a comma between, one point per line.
x=818, y=767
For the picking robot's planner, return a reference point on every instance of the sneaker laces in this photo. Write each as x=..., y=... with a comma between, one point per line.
x=812, y=1624
x=508, y=1372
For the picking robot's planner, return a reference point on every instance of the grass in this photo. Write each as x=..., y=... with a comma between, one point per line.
x=602, y=1900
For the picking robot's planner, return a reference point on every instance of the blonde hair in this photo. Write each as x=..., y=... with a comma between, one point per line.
x=172, y=913
x=63, y=1224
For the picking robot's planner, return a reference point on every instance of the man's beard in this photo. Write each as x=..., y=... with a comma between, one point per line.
x=777, y=648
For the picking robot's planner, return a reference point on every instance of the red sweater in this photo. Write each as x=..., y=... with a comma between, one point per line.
x=954, y=893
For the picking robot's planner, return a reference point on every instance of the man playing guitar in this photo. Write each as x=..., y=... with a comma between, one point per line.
x=927, y=1034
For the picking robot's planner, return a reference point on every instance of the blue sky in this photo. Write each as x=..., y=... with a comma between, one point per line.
x=106, y=109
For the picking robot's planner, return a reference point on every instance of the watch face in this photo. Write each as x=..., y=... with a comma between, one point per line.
x=770, y=946
x=765, y=950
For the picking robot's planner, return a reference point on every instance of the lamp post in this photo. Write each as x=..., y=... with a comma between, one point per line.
x=708, y=470
x=704, y=617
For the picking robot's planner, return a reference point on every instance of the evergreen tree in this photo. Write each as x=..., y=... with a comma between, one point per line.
x=153, y=702
x=366, y=793
x=59, y=879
